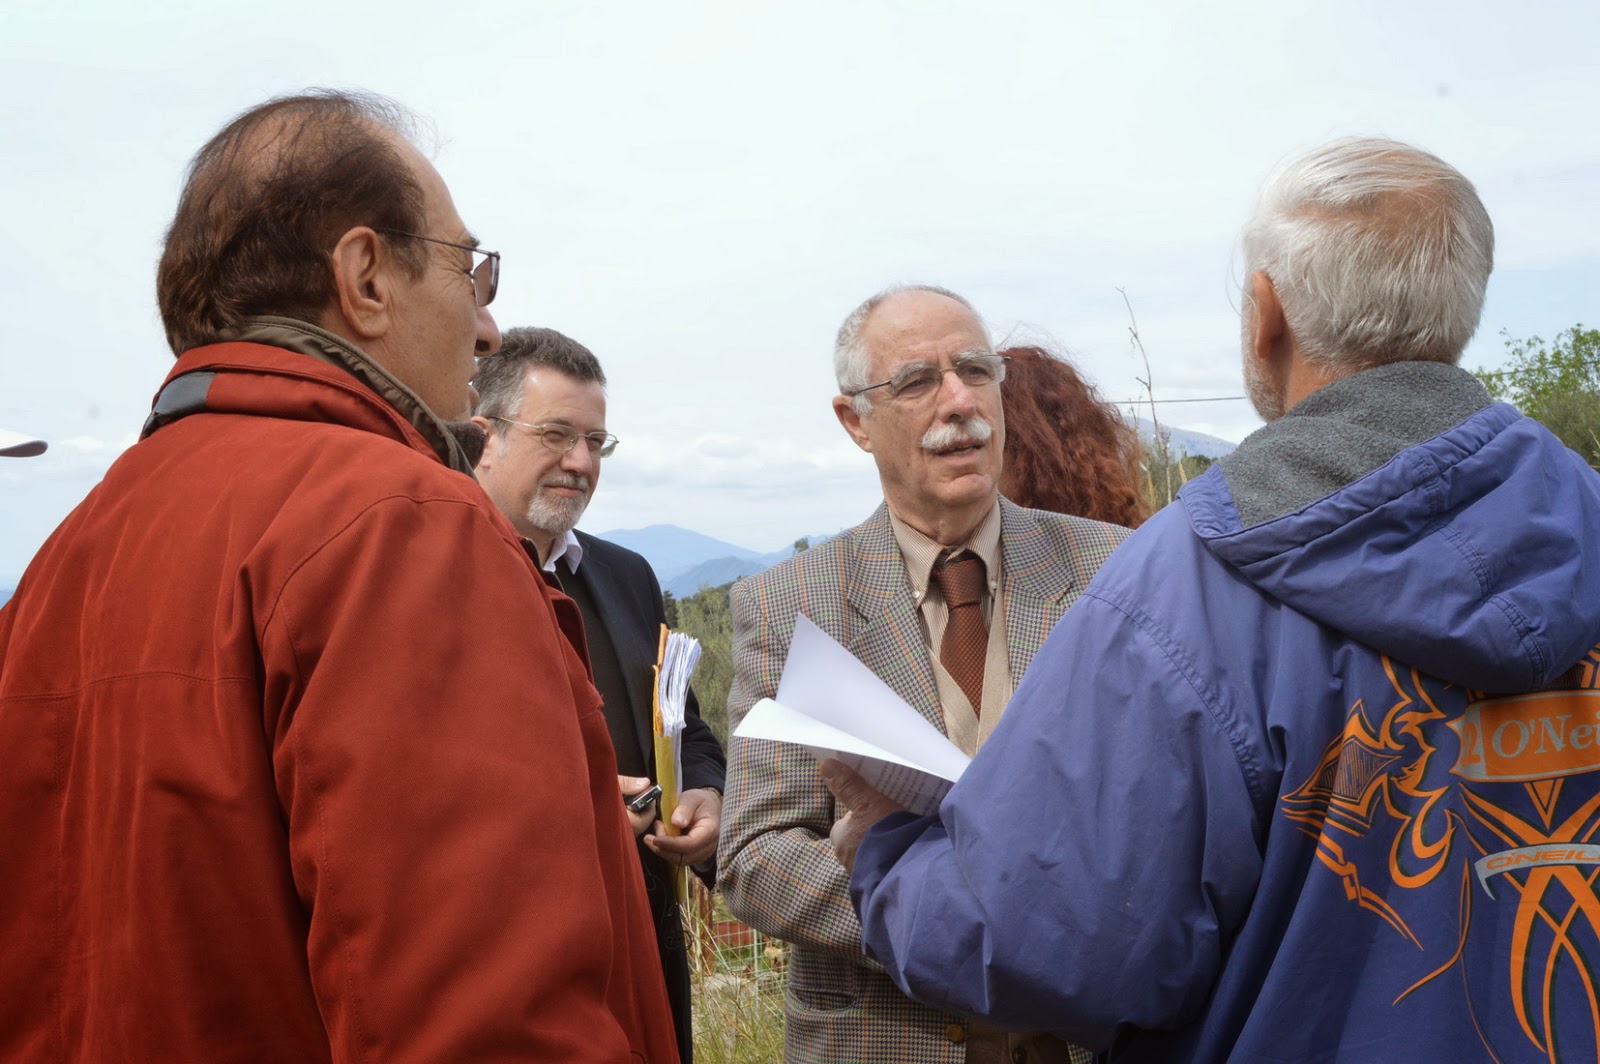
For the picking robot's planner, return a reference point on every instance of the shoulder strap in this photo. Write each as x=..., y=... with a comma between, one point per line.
x=183, y=395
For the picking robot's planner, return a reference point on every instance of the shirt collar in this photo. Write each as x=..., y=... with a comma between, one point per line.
x=566, y=547
x=920, y=552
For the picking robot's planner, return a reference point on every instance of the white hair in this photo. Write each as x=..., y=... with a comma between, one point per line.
x=1378, y=251
x=851, y=359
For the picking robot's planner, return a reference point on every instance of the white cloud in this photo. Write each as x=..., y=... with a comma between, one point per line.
x=701, y=192
x=95, y=445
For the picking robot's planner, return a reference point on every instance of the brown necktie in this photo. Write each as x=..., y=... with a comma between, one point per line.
x=966, y=640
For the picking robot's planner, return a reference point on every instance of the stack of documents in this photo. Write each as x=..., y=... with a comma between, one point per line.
x=834, y=706
x=676, y=657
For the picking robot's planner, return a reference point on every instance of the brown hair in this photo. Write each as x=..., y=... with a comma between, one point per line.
x=266, y=201
x=1067, y=450
x=500, y=376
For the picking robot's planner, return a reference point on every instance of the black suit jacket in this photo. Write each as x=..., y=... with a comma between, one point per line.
x=627, y=597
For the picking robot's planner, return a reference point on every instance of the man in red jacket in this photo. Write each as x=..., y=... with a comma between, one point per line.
x=269, y=794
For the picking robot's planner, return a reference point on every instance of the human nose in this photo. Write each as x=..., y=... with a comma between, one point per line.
x=957, y=399
x=579, y=460
x=488, y=334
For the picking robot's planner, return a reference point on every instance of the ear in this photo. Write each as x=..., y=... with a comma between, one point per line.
x=490, y=443
x=1268, y=328
x=363, y=294
x=844, y=409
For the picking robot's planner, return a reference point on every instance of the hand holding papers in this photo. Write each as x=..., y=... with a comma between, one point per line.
x=834, y=706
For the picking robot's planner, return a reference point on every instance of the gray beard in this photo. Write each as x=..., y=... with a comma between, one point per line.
x=555, y=516
x=1264, y=396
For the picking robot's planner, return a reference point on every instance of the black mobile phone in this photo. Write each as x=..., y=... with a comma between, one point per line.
x=641, y=801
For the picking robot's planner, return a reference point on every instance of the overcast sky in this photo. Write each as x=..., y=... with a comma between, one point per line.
x=700, y=193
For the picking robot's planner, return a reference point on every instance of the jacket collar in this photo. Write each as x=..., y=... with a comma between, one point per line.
x=306, y=339
x=1030, y=563
x=1343, y=431
x=1037, y=577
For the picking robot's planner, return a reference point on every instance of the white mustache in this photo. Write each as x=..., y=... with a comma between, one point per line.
x=579, y=483
x=950, y=434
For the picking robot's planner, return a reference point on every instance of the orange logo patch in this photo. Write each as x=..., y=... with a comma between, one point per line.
x=1529, y=737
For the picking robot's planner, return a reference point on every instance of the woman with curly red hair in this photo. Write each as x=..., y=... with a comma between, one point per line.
x=1067, y=450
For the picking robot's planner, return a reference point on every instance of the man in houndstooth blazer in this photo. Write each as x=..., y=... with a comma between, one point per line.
x=936, y=432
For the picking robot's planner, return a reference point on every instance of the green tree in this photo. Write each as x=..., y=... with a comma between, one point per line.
x=707, y=616
x=1167, y=469
x=1557, y=383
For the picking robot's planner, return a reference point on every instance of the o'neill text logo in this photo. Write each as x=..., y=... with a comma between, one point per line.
x=1533, y=857
x=1529, y=737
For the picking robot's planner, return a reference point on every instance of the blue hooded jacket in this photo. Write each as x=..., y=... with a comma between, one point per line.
x=1275, y=789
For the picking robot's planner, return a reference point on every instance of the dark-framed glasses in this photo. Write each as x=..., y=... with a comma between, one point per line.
x=918, y=381
x=485, y=275
x=563, y=438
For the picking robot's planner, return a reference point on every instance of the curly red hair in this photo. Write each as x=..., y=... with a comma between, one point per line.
x=1067, y=450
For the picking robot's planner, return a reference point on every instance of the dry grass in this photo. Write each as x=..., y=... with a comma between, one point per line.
x=738, y=986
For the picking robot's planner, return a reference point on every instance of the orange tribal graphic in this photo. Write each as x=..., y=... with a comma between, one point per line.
x=1447, y=789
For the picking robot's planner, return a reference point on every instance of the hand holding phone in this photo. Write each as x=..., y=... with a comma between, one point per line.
x=638, y=803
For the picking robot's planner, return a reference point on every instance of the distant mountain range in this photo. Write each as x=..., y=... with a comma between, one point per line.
x=1187, y=441
x=686, y=561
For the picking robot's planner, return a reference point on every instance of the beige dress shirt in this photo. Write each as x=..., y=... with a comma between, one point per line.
x=968, y=730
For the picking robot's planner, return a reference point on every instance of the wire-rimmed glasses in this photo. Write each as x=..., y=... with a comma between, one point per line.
x=918, y=381
x=485, y=275
x=563, y=438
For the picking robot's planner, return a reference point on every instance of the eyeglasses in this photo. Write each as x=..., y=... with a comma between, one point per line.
x=561, y=439
x=485, y=275
x=920, y=381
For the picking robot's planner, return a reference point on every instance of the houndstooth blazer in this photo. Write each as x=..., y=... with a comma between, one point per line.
x=779, y=873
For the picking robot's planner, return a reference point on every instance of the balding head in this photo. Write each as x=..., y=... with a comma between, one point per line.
x=852, y=360
x=266, y=201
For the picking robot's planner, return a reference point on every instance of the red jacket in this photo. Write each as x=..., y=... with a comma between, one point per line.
x=299, y=765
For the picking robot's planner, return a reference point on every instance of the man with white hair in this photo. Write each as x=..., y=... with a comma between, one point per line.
x=1311, y=771
x=946, y=592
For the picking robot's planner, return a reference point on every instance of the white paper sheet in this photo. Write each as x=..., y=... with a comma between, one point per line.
x=682, y=655
x=834, y=706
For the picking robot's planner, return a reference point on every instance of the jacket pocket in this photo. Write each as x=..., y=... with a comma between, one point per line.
x=821, y=981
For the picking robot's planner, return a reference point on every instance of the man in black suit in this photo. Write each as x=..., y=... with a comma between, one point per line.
x=542, y=405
